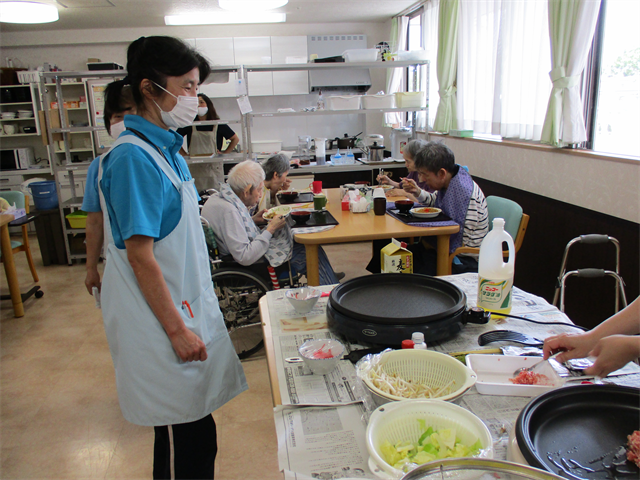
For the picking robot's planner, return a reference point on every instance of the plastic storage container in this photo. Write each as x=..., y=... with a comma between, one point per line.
x=77, y=219
x=361, y=55
x=45, y=195
x=495, y=277
x=411, y=99
x=344, y=102
x=370, y=102
x=267, y=146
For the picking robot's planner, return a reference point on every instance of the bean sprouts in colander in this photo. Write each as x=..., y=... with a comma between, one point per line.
x=392, y=384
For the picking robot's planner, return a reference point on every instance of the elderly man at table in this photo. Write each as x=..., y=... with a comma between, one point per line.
x=458, y=196
x=238, y=234
x=276, y=169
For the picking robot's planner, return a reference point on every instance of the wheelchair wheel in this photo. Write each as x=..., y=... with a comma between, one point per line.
x=238, y=295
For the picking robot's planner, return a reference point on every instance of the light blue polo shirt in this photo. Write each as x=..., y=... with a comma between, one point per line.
x=140, y=199
x=91, y=199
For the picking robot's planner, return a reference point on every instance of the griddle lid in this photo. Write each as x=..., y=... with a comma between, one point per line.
x=397, y=299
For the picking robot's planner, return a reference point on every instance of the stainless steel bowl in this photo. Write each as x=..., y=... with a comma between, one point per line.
x=474, y=468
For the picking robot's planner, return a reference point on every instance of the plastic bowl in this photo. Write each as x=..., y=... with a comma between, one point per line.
x=312, y=352
x=303, y=299
x=287, y=197
x=300, y=217
x=399, y=422
x=404, y=206
x=422, y=367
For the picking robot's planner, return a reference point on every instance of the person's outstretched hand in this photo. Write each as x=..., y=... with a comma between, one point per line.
x=613, y=352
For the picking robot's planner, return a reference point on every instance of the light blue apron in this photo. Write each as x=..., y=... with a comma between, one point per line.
x=154, y=386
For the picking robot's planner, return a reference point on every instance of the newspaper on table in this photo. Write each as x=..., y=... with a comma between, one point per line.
x=299, y=386
x=322, y=442
x=285, y=319
x=499, y=414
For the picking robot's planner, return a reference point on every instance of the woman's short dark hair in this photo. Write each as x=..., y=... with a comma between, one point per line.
x=434, y=156
x=211, y=112
x=159, y=57
x=118, y=98
x=278, y=163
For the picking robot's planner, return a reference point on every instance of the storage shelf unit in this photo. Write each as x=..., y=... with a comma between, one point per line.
x=73, y=125
x=291, y=67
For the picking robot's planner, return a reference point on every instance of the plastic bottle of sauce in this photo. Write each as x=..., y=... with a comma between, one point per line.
x=406, y=344
x=418, y=341
x=495, y=277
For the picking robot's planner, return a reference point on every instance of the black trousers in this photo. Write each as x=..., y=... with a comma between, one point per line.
x=185, y=451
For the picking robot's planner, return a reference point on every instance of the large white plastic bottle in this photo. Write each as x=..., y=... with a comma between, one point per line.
x=495, y=277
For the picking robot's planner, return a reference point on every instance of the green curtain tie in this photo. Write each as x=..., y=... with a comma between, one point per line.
x=561, y=81
x=447, y=92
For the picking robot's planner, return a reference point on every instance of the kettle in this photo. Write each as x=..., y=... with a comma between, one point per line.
x=376, y=152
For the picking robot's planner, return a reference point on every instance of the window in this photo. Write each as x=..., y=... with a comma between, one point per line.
x=617, y=109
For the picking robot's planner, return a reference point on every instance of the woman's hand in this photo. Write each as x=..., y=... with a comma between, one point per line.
x=613, y=352
x=575, y=345
x=276, y=224
x=92, y=280
x=287, y=184
x=257, y=217
x=384, y=180
x=410, y=186
x=188, y=346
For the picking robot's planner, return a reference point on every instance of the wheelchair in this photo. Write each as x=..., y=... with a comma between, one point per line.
x=239, y=290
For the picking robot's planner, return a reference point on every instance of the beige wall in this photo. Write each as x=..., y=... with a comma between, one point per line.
x=610, y=186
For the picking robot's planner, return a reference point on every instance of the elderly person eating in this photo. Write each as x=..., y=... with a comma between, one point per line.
x=409, y=154
x=275, y=169
x=239, y=236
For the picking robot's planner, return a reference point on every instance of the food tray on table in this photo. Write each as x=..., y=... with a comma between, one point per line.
x=495, y=371
x=409, y=219
x=318, y=218
x=303, y=197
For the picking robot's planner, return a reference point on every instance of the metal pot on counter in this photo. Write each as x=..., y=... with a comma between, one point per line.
x=344, y=142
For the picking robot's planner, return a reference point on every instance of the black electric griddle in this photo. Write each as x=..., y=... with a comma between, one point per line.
x=563, y=431
x=384, y=309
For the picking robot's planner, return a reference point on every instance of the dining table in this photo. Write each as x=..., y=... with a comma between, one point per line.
x=362, y=227
x=9, y=265
x=321, y=420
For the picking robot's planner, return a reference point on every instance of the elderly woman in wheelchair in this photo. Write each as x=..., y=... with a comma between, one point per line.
x=239, y=236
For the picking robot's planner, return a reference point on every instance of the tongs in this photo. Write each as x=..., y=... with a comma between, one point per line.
x=509, y=336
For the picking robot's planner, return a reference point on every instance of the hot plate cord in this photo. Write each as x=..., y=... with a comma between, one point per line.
x=542, y=323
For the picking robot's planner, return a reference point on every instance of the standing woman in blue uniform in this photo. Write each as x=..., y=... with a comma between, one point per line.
x=174, y=361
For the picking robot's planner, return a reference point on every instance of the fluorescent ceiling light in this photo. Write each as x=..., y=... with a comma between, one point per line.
x=27, y=12
x=251, y=5
x=224, y=18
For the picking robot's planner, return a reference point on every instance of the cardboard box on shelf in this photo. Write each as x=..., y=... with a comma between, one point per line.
x=396, y=258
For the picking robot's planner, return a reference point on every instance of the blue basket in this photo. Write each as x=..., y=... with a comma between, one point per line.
x=45, y=195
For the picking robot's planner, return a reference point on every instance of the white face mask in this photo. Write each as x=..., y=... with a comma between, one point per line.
x=117, y=129
x=182, y=114
x=202, y=111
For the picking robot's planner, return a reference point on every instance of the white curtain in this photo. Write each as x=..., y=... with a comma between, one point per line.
x=430, y=44
x=571, y=26
x=396, y=77
x=502, y=60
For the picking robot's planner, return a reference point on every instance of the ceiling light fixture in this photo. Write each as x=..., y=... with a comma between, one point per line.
x=251, y=5
x=27, y=12
x=224, y=18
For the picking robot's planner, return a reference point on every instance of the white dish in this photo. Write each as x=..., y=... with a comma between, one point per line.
x=432, y=213
x=283, y=210
x=494, y=372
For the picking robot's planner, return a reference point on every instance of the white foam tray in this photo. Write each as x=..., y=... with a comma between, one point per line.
x=494, y=372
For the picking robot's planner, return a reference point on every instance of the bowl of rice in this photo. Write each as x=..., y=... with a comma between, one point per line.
x=396, y=375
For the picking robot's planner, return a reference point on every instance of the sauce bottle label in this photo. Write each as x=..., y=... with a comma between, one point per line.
x=494, y=294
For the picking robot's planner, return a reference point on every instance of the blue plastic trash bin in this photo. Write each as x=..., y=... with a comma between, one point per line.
x=45, y=195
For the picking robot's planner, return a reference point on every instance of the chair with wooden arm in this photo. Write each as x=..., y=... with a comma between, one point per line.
x=21, y=201
x=515, y=224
